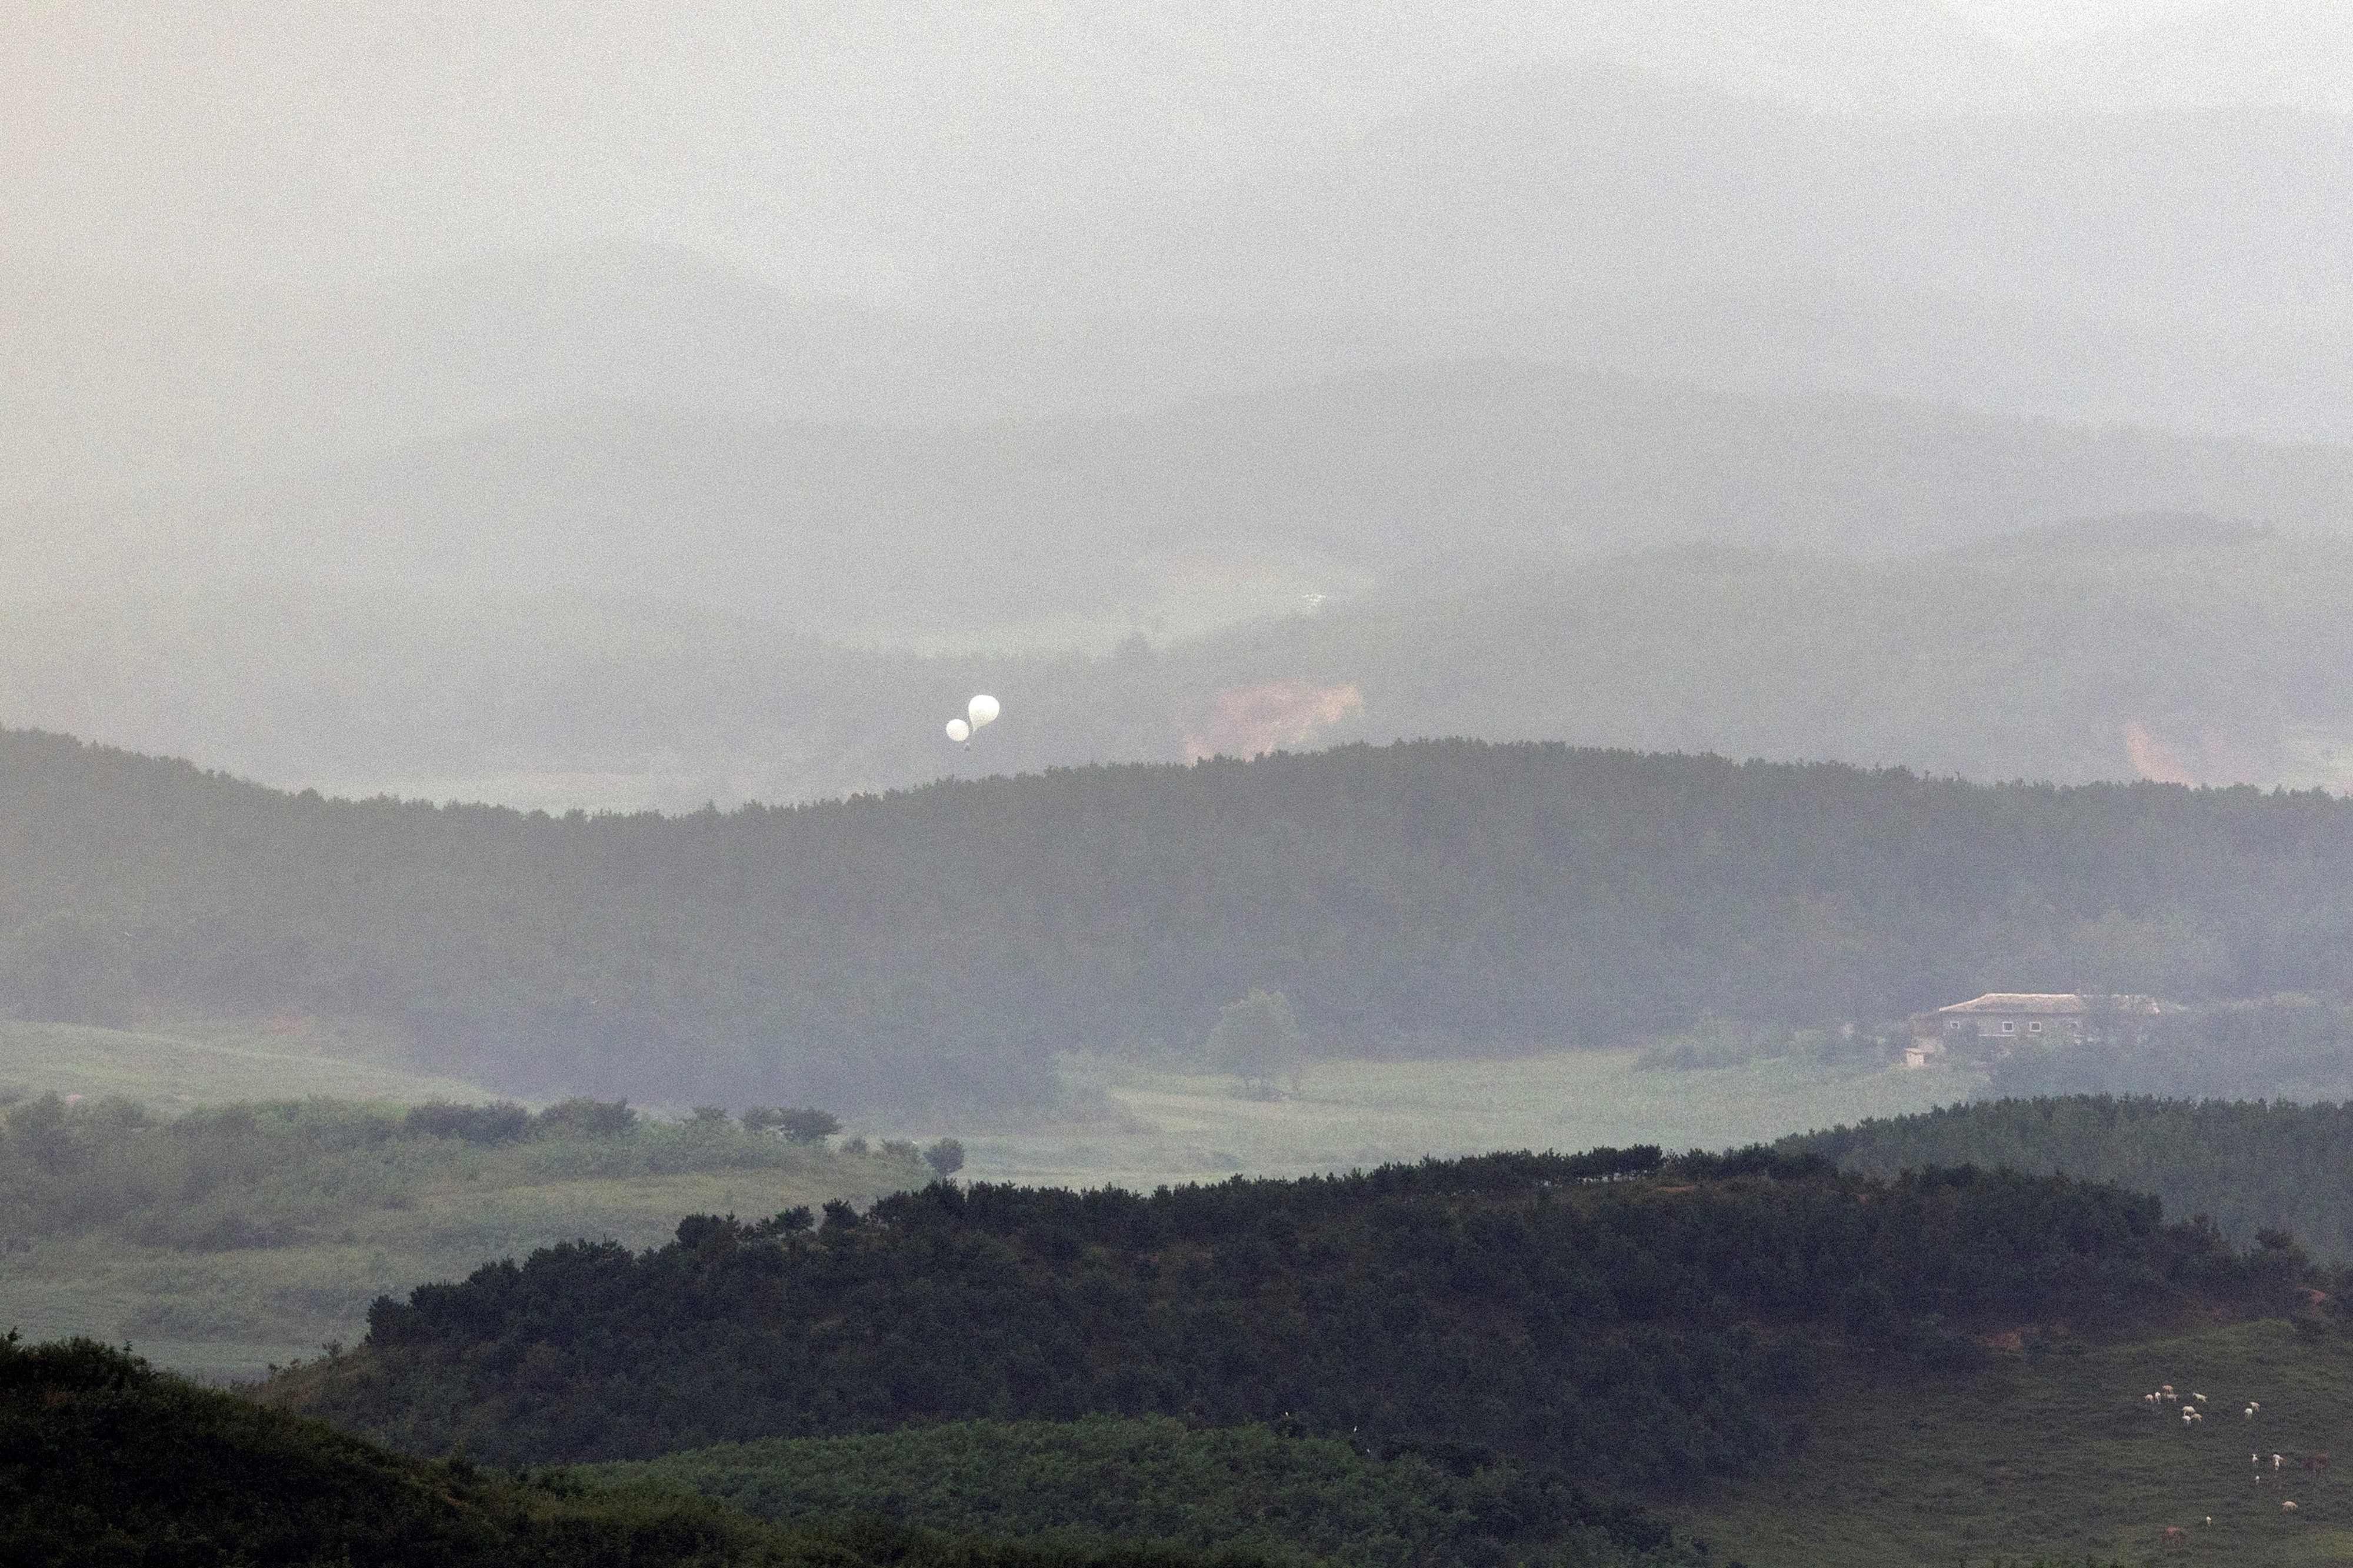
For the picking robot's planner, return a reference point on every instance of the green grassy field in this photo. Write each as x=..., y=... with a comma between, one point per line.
x=2055, y=1455
x=1156, y=1128
x=230, y=1313
x=227, y=1315
x=172, y=1069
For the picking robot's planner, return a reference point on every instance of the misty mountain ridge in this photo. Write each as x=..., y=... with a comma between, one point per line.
x=1488, y=195
x=2058, y=262
x=868, y=532
x=2182, y=647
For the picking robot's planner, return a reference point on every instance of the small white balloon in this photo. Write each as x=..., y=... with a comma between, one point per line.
x=982, y=710
x=959, y=732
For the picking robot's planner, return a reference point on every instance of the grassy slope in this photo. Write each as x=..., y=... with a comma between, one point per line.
x=1167, y=1127
x=2055, y=1454
x=173, y=1067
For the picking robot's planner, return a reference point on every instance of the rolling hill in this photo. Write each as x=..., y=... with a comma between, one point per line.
x=1702, y=1337
x=1649, y=1315
x=941, y=947
x=2171, y=647
x=112, y=1461
x=915, y=536
x=2246, y=1165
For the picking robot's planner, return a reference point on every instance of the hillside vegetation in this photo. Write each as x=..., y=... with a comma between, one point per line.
x=2248, y=1166
x=2045, y=1453
x=942, y=945
x=109, y=1462
x=240, y=1234
x=1102, y=1478
x=1660, y=1328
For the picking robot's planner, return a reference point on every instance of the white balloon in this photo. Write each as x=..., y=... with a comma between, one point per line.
x=982, y=710
x=959, y=732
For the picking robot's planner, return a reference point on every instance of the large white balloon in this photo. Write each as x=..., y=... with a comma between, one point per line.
x=959, y=732
x=982, y=710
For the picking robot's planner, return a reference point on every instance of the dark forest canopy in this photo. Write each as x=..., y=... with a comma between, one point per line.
x=942, y=943
x=109, y=1462
x=2248, y=1166
x=1266, y=1488
x=1621, y=1320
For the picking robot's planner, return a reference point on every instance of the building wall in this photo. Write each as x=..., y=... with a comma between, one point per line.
x=2018, y=1025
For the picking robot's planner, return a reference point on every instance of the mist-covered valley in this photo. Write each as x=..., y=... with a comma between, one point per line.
x=1057, y=784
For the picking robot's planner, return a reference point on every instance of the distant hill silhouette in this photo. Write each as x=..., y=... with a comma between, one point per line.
x=939, y=948
x=2039, y=654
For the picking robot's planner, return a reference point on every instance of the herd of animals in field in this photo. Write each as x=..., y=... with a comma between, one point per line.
x=2271, y=1472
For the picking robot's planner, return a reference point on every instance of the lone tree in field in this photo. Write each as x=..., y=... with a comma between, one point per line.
x=945, y=1158
x=1257, y=1040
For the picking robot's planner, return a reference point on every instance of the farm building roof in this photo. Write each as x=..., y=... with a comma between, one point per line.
x=2051, y=1002
x=2021, y=1002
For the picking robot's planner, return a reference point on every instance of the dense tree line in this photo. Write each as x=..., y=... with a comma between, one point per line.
x=1568, y=1312
x=944, y=944
x=281, y=1173
x=104, y=1462
x=1265, y=1490
x=2250, y=1166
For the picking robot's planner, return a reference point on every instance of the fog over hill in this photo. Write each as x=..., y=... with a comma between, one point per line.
x=834, y=140
x=870, y=532
x=637, y=409
x=2176, y=648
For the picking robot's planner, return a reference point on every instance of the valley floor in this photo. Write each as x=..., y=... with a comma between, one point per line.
x=229, y=1314
x=1156, y=1128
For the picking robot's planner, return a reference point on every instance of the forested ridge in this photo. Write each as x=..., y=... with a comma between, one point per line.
x=2248, y=1165
x=104, y=1462
x=1263, y=1489
x=942, y=943
x=1622, y=1319
x=2221, y=648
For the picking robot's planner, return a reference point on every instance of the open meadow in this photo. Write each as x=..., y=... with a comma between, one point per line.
x=169, y=1067
x=208, y=1203
x=230, y=1313
x=1153, y=1127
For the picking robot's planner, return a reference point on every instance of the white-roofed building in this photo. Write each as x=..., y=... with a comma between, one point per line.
x=2015, y=1017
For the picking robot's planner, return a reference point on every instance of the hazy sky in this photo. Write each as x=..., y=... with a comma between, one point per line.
x=214, y=135
x=2034, y=21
